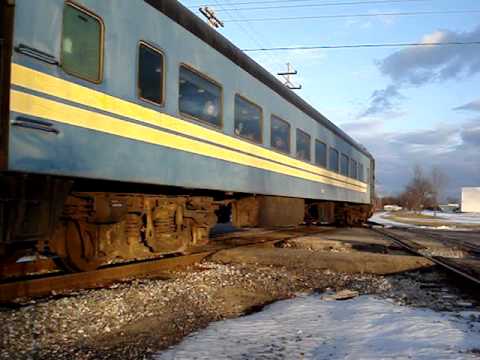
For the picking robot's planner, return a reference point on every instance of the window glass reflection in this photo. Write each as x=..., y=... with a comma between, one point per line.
x=150, y=74
x=333, y=160
x=248, y=119
x=280, y=135
x=303, y=145
x=199, y=97
x=344, y=165
x=353, y=169
x=81, y=44
x=320, y=153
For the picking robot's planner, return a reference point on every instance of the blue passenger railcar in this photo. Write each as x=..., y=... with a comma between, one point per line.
x=129, y=126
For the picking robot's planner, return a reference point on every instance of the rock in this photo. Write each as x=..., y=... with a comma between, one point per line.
x=341, y=295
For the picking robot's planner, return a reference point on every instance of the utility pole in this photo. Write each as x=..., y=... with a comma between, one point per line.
x=211, y=17
x=287, y=77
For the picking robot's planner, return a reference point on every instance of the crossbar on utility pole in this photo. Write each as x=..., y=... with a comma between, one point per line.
x=287, y=77
x=211, y=17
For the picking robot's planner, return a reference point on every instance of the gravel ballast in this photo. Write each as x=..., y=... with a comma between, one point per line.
x=134, y=320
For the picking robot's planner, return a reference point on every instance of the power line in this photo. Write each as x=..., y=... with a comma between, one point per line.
x=325, y=4
x=267, y=2
x=248, y=31
x=353, y=46
x=336, y=16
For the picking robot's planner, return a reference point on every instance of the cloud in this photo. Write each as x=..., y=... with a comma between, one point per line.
x=470, y=135
x=423, y=64
x=471, y=106
x=383, y=101
x=361, y=127
x=420, y=65
x=454, y=149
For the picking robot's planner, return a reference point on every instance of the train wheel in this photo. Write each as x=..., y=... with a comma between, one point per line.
x=80, y=249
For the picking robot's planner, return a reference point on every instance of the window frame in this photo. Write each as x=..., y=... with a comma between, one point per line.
x=326, y=154
x=101, y=42
x=261, y=142
x=164, y=68
x=296, y=145
x=353, y=163
x=348, y=164
x=209, y=79
x=289, y=134
x=330, y=148
x=361, y=174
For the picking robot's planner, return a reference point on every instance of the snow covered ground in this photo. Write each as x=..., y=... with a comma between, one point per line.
x=465, y=218
x=309, y=327
x=443, y=218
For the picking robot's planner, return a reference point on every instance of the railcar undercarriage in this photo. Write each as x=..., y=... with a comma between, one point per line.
x=47, y=216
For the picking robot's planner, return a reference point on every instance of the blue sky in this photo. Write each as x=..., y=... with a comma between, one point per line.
x=407, y=105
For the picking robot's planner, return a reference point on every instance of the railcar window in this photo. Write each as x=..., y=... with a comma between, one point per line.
x=320, y=153
x=248, y=119
x=344, y=165
x=361, y=175
x=82, y=47
x=353, y=169
x=199, y=97
x=333, y=160
x=280, y=134
x=150, y=74
x=303, y=145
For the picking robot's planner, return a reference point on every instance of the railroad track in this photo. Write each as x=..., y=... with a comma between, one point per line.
x=452, y=239
x=62, y=283
x=460, y=268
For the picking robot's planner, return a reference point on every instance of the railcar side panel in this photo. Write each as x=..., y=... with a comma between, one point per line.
x=104, y=131
x=6, y=34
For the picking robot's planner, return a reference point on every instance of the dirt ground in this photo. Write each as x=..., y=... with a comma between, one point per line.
x=136, y=319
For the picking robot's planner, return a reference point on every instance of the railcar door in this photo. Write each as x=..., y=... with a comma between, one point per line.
x=6, y=31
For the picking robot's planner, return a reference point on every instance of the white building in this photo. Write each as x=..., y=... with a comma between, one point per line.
x=471, y=199
x=392, y=208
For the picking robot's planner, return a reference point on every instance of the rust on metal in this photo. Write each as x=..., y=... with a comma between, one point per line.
x=103, y=277
x=93, y=279
x=10, y=270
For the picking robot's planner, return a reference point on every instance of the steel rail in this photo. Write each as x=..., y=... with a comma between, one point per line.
x=64, y=283
x=406, y=244
x=447, y=239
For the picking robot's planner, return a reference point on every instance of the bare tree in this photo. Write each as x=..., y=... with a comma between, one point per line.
x=419, y=191
x=439, y=181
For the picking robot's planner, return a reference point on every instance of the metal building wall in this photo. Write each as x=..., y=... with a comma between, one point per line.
x=471, y=199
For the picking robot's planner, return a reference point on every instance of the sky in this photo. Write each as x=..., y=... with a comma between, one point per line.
x=408, y=105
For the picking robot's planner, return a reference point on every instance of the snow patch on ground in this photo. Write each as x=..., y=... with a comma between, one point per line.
x=464, y=218
x=454, y=219
x=309, y=327
x=380, y=218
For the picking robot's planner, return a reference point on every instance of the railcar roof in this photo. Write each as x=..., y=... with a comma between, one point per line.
x=187, y=19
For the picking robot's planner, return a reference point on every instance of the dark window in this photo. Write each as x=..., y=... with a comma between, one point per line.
x=150, y=74
x=353, y=169
x=303, y=145
x=280, y=135
x=248, y=119
x=200, y=97
x=333, y=160
x=81, y=53
x=320, y=153
x=344, y=165
x=361, y=175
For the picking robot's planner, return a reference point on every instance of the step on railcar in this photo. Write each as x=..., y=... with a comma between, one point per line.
x=129, y=128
